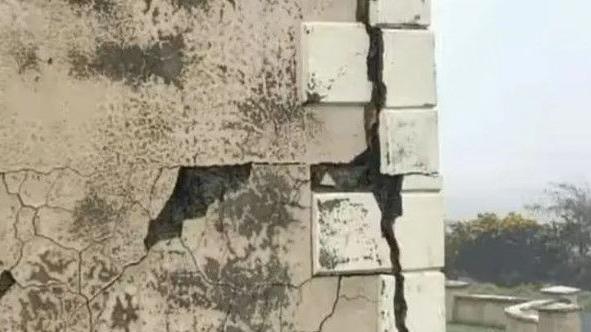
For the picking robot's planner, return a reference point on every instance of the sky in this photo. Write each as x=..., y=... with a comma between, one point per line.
x=514, y=87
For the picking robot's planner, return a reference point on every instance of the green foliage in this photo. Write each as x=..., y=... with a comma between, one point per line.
x=514, y=249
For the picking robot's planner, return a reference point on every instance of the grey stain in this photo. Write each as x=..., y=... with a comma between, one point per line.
x=100, y=6
x=26, y=58
x=94, y=215
x=124, y=313
x=133, y=64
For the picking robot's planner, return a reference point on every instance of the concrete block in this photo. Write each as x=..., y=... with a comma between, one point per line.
x=399, y=13
x=336, y=133
x=409, y=142
x=332, y=66
x=366, y=303
x=409, y=68
x=425, y=297
x=421, y=183
x=420, y=231
x=453, y=288
x=560, y=317
x=570, y=294
x=346, y=236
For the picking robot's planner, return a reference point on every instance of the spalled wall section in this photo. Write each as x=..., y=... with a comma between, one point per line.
x=219, y=165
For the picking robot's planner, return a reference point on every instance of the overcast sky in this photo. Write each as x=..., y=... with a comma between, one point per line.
x=514, y=81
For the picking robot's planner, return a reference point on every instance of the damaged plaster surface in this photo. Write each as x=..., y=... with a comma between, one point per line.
x=89, y=84
x=158, y=168
x=225, y=269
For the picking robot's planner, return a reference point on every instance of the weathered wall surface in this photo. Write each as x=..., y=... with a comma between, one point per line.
x=219, y=165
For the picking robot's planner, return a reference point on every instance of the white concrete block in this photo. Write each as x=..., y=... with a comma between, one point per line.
x=409, y=141
x=396, y=13
x=336, y=133
x=425, y=297
x=420, y=231
x=409, y=68
x=333, y=63
x=366, y=303
x=421, y=183
x=346, y=236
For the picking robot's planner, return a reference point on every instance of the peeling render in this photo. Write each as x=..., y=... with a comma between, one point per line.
x=158, y=168
x=195, y=189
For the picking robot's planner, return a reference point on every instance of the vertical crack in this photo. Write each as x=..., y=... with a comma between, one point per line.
x=385, y=188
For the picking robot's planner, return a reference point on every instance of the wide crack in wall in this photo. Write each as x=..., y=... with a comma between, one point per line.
x=222, y=247
x=363, y=173
x=196, y=188
x=6, y=281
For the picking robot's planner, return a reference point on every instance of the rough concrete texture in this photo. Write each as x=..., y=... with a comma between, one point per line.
x=333, y=71
x=90, y=84
x=365, y=303
x=226, y=269
x=347, y=238
x=346, y=234
x=158, y=160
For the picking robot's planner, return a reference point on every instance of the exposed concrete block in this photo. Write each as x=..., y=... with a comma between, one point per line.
x=421, y=183
x=347, y=238
x=314, y=302
x=409, y=68
x=420, y=231
x=425, y=297
x=409, y=142
x=333, y=63
x=560, y=317
x=570, y=294
x=337, y=133
x=396, y=13
x=366, y=303
x=346, y=234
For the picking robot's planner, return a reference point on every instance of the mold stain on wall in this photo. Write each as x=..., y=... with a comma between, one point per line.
x=133, y=64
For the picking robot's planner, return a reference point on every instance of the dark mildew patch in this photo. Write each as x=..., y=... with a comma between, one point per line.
x=255, y=291
x=256, y=208
x=132, y=63
x=94, y=215
x=26, y=58
x=190, y=4
x=196, y=188
x=101, y=6
x=273, y=101
x=124, y=313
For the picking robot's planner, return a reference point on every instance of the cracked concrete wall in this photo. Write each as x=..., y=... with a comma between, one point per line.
x=218, y=165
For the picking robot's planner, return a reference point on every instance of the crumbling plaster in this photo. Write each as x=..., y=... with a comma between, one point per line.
x=95, y=84
x=158, y=162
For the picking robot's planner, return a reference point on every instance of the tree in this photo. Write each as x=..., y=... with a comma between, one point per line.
x=568, y=208
x=490, y=248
